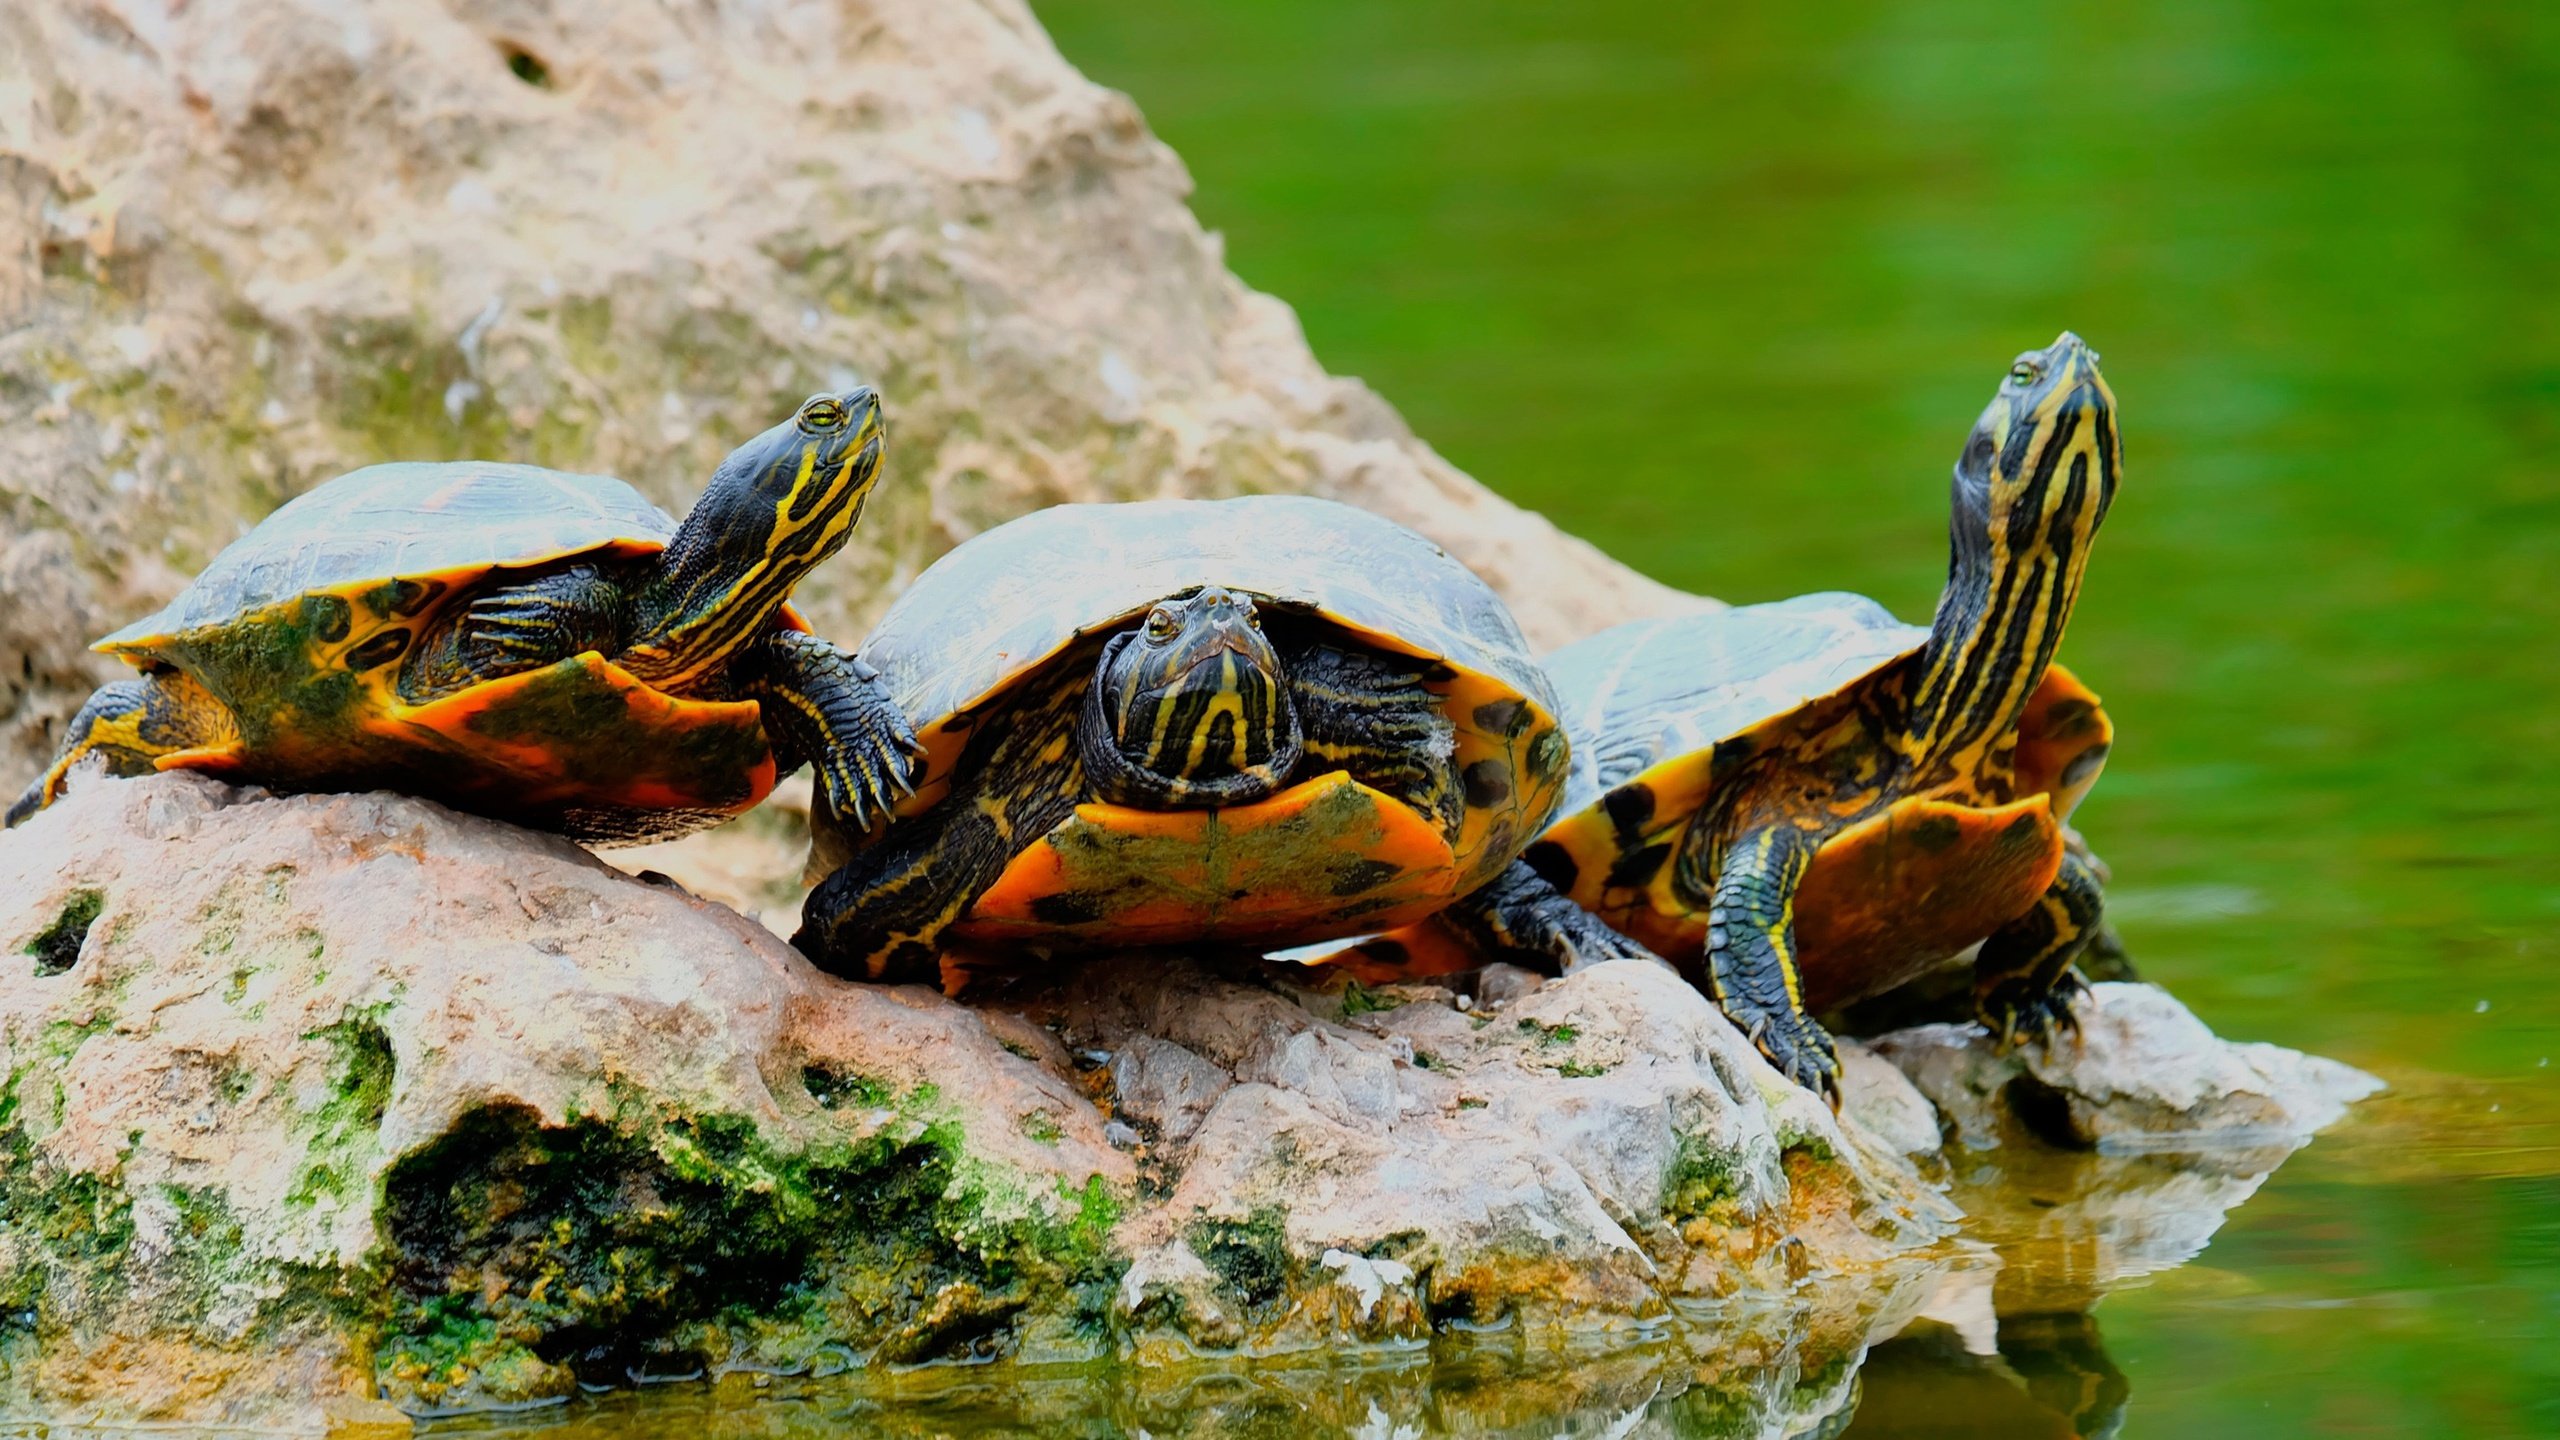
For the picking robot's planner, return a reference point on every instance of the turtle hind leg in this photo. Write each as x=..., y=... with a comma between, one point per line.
x=2023, y=981
x=880, y=917
x=1751, y=954
x=832, y=711
x=1370, y=715
x=129, y=725
x=1520, y=917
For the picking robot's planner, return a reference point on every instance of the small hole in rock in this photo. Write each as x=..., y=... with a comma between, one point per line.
x=2046, y=1113
x=57, y=949
x=526, y=65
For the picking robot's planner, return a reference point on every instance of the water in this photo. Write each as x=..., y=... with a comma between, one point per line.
x=1723, y=292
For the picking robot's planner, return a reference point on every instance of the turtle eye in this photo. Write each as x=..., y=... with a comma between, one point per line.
x=1160, y=624
x=821, y=413
x=2023, y=374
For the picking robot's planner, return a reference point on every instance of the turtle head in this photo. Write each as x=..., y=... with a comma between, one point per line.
x=2031, y=488
x=2043, y=457
x=778, y=506
x=1190, y=708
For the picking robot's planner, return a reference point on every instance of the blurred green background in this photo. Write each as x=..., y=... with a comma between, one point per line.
x=1722, y=289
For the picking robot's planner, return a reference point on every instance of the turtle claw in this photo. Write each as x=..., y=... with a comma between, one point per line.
x=2015, y=1016
x=1803, y=1054
x=870, y=775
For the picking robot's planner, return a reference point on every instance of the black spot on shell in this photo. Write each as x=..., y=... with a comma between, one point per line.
x=329, y=617
x=1553, y=863
x=382, y=649
x=1727, y=755
x=1488, y=783
x=1501, y=717
x=1629, y=807
x=1388, y=953
x=1362, y=876
x=1547, y=756
x=1933, y=834
x=2084, y=764
x=1068, y=908
x=2068, y=717
x=408, y=597
x=1638, y=867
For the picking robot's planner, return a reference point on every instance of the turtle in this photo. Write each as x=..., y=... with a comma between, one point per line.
x=1802, y=803
x=531, y=644
x=1254, y=721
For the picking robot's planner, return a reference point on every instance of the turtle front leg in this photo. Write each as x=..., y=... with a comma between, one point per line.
x=831, y=710
x=1522, y=918
x=1751, y=954
x=128, y=725
x=1371, y=716
x=2023, y=981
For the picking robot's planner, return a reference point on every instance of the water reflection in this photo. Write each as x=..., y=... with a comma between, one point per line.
x=2046, y=1375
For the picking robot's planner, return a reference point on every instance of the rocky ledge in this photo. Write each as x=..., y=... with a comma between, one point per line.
x=324, y=1111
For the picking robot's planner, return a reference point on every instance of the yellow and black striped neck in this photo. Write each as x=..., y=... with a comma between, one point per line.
x=777, y=507
x=2031, y=489
x=1190, y=709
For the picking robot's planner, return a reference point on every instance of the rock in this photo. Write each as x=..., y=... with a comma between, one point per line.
x=246, y=245
x=309, y=1098
x=2143, y=1073
x=1883, y=1102
x=1599, y=1149
x=1165, y=1086
x=352, y=1089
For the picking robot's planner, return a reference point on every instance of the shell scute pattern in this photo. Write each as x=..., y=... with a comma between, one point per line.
x=1004, y=603
x=1642, y=692
x=385, y=522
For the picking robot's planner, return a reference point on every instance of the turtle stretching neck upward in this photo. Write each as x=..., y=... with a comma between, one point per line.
x=530, y=644
x=1804, y=803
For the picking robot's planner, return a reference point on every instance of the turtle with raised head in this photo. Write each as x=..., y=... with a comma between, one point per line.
x=530, y=644
x=1257, y=721
x=1804, y=803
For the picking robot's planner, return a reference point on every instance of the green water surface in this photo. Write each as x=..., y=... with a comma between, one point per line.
x=1722, y=288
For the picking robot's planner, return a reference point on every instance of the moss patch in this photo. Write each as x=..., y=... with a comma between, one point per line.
x=1250, y=1257
x=1701, y=1182
x=345, y=1127
x=57, y=947
x=1359, y=999
x=1550, y=1034
x=531, y=1257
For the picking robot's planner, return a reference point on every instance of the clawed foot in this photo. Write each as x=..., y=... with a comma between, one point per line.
x=1802, y=1053
x=1586, y=940
x=871, y=770
x=2016, y=1015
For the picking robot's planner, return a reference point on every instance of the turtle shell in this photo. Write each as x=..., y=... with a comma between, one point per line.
x=299, y=628
x=1027, y=605
x=1664, y=712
